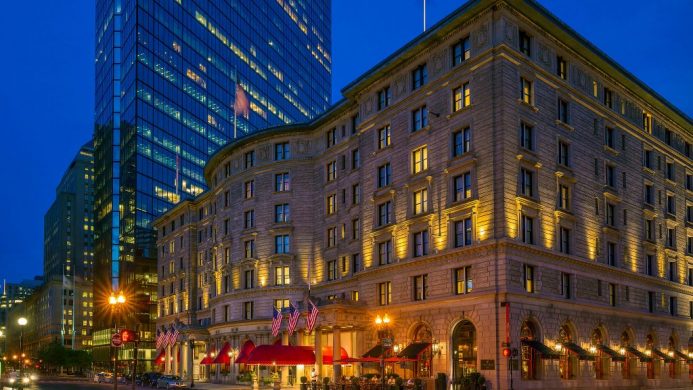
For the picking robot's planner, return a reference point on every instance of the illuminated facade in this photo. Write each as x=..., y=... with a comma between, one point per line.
x=166, y=79
x=498, y=180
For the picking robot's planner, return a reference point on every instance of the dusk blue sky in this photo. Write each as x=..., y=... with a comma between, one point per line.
x=47, y=92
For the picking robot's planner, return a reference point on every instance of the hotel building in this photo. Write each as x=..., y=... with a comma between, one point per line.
x=497, y=183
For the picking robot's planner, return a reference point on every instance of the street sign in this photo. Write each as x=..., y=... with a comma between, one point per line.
x=116, y=340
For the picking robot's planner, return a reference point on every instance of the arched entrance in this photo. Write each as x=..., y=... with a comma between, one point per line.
x=630, y=361
x=601, y=360
x=463, y=350
x=652, y=363
x=530, y=356
x=422, y=335
x=568, y=363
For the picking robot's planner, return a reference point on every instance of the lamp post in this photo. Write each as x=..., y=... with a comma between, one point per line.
x=2, y=336
x=22, y=323
x=116, y=303
x=382, y=323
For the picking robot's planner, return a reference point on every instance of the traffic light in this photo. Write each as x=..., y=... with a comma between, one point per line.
x=128, y=335
x=506, y=352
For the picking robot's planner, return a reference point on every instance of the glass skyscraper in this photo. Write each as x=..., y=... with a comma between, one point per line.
x=167, y=76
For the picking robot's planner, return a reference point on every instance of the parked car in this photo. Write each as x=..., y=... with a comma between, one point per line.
x=149, y=378
x=169, y=382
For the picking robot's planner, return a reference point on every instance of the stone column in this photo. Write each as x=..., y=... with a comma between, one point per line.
x=318, y=352
x=336, y=354
x=285, y=369
x=174, y=363
x=167, y=363
x=356, y=341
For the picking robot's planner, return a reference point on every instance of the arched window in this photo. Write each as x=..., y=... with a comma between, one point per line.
x=464, y=350
x=601, y=360
x=652, y=364
x=568, y=362
x=530, y=356
x=422, y=366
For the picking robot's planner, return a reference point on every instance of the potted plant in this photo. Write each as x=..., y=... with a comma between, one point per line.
x=304, y=383
x=326, y=383
x=275, y=381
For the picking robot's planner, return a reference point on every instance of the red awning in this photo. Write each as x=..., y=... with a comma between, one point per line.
x=223, y=356
x=281, y=355
x=246, y=349
x=397, y=359
x=161, y=357
x=359, y=360
x=208, y=359
x=327, y=355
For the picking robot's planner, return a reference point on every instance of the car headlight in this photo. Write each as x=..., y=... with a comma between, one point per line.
x=33, y=377
x=25, y=380
x=12, y=380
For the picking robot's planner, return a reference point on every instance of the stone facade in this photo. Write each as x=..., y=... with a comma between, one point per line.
x=543, y=246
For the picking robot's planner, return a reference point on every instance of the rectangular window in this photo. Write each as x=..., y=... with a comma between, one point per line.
x=419, y=158
x=282, y=277
x=385, y=252
x=649, y=229
x=419, y=77
x=249, y=219
x=463, y=232
x=671, y=171
x=528, y=278
x=668, y=136
x=281, y=244
x=461, y=142
x=463, y=280
x=611, y=253
x=384, y=175
x=649, y=194
x=249, y=189
x=608, y=98
x=461, y=97
x=612, y=294
x=331, y=270
x=689, y=213
x=564, y=153
x=420, y=287
x=354, y=123
x=227, y=196
x=671, y=204
x=227, y=224
x=526, y=182
x=650, y=265
x=526, y=136
x=673, y=309
x=527, y=225
x=609, y=137
x=420, y=201
x=647, y=158
x=463, y=186
x=563, y=110
x=647, y=122
x=331, y=237
x=355, y=159
x=671, y=238
x=249, y=249
x=564, y=240
x=561, y=68
x=384, y=293
x=385, y=213
x=563, y=197
x=420, y=243
x=356, y=194
x=356, y=262
x=282, y=151
x=384, y=137
x=281, y=304
x=282, y=182
x=689, y=181
x=249, y=159
x=610, y=176
x=355, y=229
x=689, y=245
x=525, y=43
x=331, y=170
x=610, y=215
x=650, y=301
x=331, y=204
x=384, y=98
x=566, y=288
x=248, y=310
x=282, y=213
x=419, y=118
x=331, y=137
x=461, y=51
x=526, y=90
x=249, y=279
x=672, y=273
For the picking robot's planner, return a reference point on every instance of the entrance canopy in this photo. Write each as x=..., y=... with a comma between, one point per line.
x=615, y=356
x=546, y=352
x=374, y=352
x=578, y=350
x=663, y=355
x=281, y=355
x=413, y=350
x=161, y=357
x=327, y=355
x=638, y=354
x=246, y=349
x=223, y=356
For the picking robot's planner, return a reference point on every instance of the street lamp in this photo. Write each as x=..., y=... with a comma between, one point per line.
x=22, y=323
x=382, y=323
x=116, y=302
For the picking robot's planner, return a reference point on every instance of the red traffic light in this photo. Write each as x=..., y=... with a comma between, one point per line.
x=128, y=335
x=506, y=352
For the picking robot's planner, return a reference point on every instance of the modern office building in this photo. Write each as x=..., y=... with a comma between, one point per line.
x=68, y=226
x=175, y=81
x=14, y=294
x=497, y=183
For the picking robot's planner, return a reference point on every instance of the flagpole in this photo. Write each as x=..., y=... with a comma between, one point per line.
x=234, y=122
x=424, y=15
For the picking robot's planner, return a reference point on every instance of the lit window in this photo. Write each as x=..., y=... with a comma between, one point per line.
x=331, y=204
x=384, y=137
x=528, y=278
x=384, y=293
x=331, y=170
x=420, y=287
x=561, y=68
x=420, y=201
x=461, y=51
x=463, y=280
x=461, y=97
x=525, y=90
x=420, y=160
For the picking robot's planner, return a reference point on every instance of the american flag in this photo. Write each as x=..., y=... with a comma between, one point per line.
x=276, y=321
x=159, y=338
x=294, y=313
x=174, y=336
x=312, y=316
x=241, y=105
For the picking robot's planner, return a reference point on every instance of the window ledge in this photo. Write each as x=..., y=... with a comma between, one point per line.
x=421, y=130
x=528, y=105
x=458, y=112
x=671, y=182
x=564, y=125
x=648, y=170
x=611, y=150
